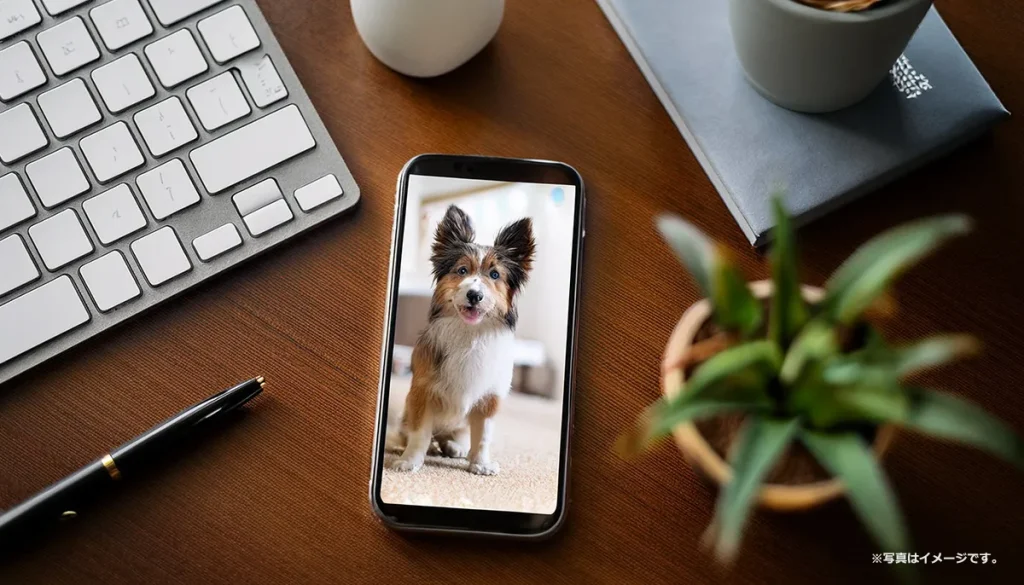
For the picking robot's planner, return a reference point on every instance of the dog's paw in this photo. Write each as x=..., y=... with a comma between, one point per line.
x=406, y=465
x=484, y=468
x=453, y=449
x=434, y=448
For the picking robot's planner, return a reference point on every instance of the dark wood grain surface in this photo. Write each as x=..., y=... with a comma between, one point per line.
x=281, y=496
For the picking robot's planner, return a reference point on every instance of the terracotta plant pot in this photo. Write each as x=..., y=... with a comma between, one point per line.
x=697, y=450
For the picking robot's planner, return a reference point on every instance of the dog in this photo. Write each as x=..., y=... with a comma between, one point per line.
x=462, y=362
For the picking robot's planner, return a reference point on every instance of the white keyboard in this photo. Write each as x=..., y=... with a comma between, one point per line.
x=145, y=145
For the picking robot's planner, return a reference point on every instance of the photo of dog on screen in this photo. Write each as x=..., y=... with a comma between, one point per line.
x=462, y=363
x=477, y=366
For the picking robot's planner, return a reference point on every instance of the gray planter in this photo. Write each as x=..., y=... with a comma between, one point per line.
x=814, y=60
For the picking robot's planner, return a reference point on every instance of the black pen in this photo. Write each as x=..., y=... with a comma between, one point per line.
x=60, y=499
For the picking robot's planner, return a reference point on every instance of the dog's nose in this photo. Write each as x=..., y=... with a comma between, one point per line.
x=474, y=296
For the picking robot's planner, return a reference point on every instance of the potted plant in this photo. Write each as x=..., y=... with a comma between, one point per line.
x=795, y=387
x=821, y=55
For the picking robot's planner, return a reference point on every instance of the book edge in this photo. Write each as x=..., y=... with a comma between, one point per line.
x=622, y=30
x=880, y=181
x=1004, y=110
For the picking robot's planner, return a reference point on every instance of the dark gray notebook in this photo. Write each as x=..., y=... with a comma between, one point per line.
x=935, y=100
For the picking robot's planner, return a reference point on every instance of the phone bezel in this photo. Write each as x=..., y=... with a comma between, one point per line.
x=477, y=521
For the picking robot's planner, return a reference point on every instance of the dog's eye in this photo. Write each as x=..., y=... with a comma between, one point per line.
x=495, y=275
x=463, y=270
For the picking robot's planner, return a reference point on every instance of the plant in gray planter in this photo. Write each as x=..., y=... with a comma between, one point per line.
x=821, y=55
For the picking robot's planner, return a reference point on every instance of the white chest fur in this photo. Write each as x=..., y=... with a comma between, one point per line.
x=477, y=362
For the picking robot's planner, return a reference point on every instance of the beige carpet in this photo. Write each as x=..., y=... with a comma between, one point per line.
x=526, y=444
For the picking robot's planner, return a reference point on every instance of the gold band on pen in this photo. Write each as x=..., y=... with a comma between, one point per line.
x=111, y=467
x=261, y=381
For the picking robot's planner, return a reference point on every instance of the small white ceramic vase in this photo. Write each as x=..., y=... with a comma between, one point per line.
x=425, y=38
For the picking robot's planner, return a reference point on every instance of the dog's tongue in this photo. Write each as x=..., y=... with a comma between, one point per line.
x=471, y=315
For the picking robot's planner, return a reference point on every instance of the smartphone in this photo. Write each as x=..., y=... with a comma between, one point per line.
x=474, y=414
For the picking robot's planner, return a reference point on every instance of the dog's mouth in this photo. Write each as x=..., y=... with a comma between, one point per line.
x=471, y=315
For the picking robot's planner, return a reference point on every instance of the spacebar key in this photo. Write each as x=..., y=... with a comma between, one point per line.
x=252, y=149
x=38, y=316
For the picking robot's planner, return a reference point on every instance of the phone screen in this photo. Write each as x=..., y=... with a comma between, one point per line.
x=480, y=345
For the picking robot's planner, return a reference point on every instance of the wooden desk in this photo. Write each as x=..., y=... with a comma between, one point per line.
x=281, y=497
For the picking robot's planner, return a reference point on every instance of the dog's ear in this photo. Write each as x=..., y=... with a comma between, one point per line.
x=515, y=242
x=450, y=238
x=455, y=228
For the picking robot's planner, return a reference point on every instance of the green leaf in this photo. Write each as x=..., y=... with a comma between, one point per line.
x=874, y=364
x=735, y=308
x=865, y=385
x=850, y=459
x=758, y=447
x=931, y=352
x=694, y=249
x=855, y=370
x=949, y=417
x=816, y=342
x=864, y=404
x=760, y=359
x=661, y=418
x=862, y=393
x=788, y=310
x=801, y=372
x=734, y=379
x=869, y=271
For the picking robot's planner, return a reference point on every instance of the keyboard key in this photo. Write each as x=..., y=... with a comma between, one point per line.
x=60, y=239
x=109, y=281
x=111, y=152
x=217, y=242
x=69, y=108
x=264, y=82
x=219, y=101
x=121, y=23
x=161, y=256
x=68, y=46
x=318, y=192
x=165, y=126
x=167, y=189
x=176, y=58
x=263, y=220
x=114, y=214
x=15, y=206
x=123, y=83
x=169, y=12
x=228, y=34
x=19, y=71
x=16, y=265
x=55, y=7
x=40, y=315
x=252, y=149
x=16, y=16
x=57, y=177
x=256, y=197
x=20, y=134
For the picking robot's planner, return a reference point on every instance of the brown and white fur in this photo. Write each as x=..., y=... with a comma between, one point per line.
x=462, y=363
